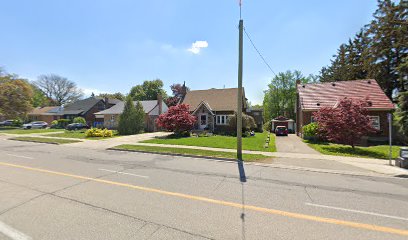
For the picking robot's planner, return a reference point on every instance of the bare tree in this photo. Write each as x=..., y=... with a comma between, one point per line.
x=59, y=89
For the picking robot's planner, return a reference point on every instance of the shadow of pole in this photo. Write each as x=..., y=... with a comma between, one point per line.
x=242, y=179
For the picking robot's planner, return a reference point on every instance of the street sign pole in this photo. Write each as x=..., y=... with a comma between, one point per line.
x=389, y=116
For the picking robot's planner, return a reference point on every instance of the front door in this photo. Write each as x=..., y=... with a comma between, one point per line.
x=203, y=121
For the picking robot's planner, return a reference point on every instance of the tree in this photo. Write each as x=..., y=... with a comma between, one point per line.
x=248, y=123
x=280, y=97
x=378, y=51
x=59, y=89
x=177, y=119
x=178, y=91
x=148, y=91
x=39, y=99
x=79, y=120
x=131, y=121
x=403, y=113
x=15, y=96
x=346, y=123
x=116, y=95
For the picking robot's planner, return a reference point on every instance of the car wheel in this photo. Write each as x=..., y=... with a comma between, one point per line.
x=28, y=127
x=44, y=127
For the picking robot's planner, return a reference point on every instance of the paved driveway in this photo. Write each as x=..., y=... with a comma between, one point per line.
x=293, y=144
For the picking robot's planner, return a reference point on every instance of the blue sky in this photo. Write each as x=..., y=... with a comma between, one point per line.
x=110, y=46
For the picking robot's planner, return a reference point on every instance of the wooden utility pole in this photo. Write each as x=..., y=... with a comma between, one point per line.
x=239, y=110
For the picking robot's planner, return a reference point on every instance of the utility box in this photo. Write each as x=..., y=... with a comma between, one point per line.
x=402, y=160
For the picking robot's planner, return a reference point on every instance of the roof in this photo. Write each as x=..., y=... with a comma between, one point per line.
x=206, y=105
x=42, y=110
x=151, y=107
x=112, y=101
x=218, y=99
x=317, y=95
x=80, y=106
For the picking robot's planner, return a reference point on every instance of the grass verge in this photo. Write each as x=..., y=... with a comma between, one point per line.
x=28, y=131
x=190, y=152
x=78, y=135
x=255, y=143
x=44, y=140
x=381, y=151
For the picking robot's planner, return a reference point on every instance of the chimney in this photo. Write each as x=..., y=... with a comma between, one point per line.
x=106, y=102
x=160, y=103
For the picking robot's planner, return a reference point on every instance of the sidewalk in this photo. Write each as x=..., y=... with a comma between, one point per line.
x=313, y=160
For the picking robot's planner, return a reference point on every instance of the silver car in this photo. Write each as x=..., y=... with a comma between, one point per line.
x=35, y=125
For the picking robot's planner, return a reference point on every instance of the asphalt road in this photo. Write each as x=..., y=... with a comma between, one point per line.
x=62, y=192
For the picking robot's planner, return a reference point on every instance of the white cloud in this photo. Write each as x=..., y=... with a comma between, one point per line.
x=197, y=46
x=88, y=91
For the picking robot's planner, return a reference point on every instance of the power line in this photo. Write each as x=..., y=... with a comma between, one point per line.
x=259, y=53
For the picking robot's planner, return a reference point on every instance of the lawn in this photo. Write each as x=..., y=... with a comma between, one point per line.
x=191, y=152
x=44, y=140
x=255, y=143
x=381, y=151
x=78, y=135
x=27, y=131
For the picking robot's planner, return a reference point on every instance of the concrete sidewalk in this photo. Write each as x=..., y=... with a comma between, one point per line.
x=313, y=160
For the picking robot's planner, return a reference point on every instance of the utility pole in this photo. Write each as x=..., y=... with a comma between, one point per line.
x=239, y=110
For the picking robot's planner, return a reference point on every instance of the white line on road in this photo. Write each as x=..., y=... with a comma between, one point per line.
x=20, y=156
x=12, y=233
x=357, y=211
x=124, y=173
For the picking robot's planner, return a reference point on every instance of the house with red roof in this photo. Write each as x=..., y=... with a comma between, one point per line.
x=312, y=97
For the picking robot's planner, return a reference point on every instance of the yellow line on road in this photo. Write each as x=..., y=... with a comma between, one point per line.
x=225, y=203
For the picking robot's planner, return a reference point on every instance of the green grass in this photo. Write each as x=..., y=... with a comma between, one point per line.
x=44, y=140
x=27, y=131
x=78, y=134
x=255, y=143
x=381, y=151
x=191, y=152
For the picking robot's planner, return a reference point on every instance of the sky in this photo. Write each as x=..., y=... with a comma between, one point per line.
x=112, y=45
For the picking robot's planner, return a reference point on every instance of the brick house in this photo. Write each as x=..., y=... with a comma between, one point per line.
x=109, y=118
x=311, y=97
x=46, y=114
x=213, y=106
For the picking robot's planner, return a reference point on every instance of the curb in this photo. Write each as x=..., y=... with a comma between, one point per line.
x=174, y=154
x=33, y=141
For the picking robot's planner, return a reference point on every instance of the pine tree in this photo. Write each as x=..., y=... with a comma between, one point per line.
x=131, y=121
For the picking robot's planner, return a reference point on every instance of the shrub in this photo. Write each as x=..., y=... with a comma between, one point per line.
x=79, y=120
x=177, y=119
x=53, y=123
x=268, y=126
x=310, y=130
x=17, y=122
x=62, y=123
x=96, y=132
x=248, y=123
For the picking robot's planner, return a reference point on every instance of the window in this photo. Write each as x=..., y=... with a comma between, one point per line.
x=222, y=120
x=375, y=122
x=112, y=118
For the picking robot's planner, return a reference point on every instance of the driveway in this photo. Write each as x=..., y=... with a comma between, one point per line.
x=293, y=144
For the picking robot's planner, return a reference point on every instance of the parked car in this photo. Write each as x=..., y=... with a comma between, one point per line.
x=35, y=125
x=7, y=123
x=77, y=126
x=281, y=131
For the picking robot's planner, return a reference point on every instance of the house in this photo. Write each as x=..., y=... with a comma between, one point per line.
x=312, y=97
x=46, y=114
x=257, y=114
x=212, y=107
x=109, y=118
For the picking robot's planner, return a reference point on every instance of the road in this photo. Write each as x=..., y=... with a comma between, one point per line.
x=63, y=192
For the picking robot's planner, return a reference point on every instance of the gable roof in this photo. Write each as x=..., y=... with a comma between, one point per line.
x=151, y=107
x=217, y=99
x=205, y=104
x=316, y=95
x=81, y=106
x=42, y=110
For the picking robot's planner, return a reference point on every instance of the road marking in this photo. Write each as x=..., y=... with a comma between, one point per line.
x=19, y=156
x=225, y=203
x=357, y=211
x=124, y=173
x=12, y=233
